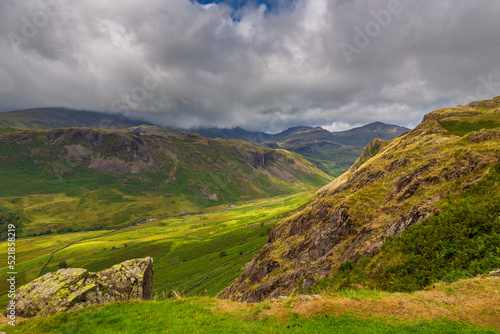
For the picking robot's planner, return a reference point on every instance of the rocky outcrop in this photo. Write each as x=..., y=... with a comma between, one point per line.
x=71, y=289
x=391, y=188
x=373, y=148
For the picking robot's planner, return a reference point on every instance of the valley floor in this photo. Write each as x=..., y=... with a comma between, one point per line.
x=195, y=254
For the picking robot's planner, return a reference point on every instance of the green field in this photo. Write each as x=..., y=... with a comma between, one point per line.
x=211, y=247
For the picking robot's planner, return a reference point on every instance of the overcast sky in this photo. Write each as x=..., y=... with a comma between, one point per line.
x=263, y=65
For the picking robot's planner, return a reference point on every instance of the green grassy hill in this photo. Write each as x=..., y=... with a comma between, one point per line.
x=421, y=209
x=82, y=179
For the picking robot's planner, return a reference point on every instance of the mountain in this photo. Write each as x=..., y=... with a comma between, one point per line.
x=52, y=118
x=113, y=178
x=363, y=135
x=337, y=151
x=422, y=208
x=233, y=133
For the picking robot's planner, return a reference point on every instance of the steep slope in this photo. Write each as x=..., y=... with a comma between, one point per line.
x=425, y=208
x=115, y=167
x=52, y=118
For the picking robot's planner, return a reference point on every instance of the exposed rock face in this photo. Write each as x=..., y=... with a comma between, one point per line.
x=71, y=289
x=369, y=152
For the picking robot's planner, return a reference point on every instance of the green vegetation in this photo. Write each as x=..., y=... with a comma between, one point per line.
x=209, y=248
x=462, y=241
x=206, y=315
x=5, y=221
x=464, y=126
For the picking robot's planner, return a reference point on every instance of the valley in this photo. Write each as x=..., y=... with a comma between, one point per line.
x=412, y=225
x=185, y=248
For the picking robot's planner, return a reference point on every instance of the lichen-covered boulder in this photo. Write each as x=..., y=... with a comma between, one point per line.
x=71, y=289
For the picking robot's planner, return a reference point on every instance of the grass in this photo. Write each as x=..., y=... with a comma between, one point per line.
x=446, y=309
x=461, y=126
x=185, y=249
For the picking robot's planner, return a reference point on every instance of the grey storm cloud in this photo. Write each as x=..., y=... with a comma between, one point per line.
x=332, y=63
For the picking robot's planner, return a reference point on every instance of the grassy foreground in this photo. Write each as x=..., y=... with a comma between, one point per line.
x=442, y=309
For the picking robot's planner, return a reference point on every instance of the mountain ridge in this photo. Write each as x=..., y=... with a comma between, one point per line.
x=335, y=151
x=51, y=118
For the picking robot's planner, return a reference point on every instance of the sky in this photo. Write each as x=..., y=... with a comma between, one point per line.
x=262, y=65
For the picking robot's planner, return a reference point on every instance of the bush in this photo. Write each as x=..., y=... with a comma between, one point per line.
x=222, y=254
x=63, y=264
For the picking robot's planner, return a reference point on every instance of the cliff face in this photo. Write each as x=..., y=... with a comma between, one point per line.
x=406, y=182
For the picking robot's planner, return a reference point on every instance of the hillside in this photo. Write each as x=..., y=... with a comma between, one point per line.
x=83, y=178
x=337, y=151
x=425, y=208
x=52, y=118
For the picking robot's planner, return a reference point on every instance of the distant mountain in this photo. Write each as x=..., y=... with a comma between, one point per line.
x=233, y=133
x=53, y=118
x=337, y=151
x=362, y=136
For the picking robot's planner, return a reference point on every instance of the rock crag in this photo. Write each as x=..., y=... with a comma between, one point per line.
x=71, y=289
